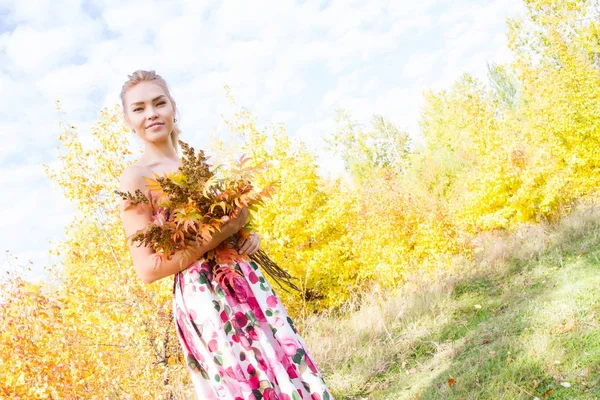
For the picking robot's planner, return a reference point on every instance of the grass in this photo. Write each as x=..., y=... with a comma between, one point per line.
x=520, y=321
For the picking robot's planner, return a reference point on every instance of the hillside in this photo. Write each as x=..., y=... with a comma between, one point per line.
x=523, y=322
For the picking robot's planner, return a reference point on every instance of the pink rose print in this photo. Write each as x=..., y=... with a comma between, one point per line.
x=239, y=320
x=270, y=394
x=241, y=290
x=252, y=277
x=310, y=363
x=213, y=346
x=256, y=309
x=240, y=373
x=253, y=333
x=284, y=396
x=187, y=336
x=271, y=301
x=261, y=362
x=222, y=391
x=254, y=382
x=291, y=370
x=245, y=343
x=224, y=316
x=290, y=346
x=315, y=396
x=235, y=372
x=278, y=322
x=275, y=366
x=194, y=272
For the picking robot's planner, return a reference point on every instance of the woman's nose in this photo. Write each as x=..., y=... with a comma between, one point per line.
x=151, y=112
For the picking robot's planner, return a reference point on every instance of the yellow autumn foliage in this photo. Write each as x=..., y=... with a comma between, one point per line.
x=304, y=225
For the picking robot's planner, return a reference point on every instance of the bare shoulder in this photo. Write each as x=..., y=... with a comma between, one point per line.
x=134, y=217
x=132, y=178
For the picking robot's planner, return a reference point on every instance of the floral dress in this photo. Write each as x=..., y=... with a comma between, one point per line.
x=238, y=341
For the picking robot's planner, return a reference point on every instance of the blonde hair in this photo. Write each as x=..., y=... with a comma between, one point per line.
x=151, y=76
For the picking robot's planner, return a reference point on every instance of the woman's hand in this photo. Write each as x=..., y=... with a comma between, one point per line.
x=249, y=245
x=229, y=228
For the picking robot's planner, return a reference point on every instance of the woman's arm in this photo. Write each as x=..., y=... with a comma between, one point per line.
x=136, y=218
x=180, y=260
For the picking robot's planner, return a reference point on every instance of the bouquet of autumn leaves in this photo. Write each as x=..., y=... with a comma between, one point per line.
x=192, y=204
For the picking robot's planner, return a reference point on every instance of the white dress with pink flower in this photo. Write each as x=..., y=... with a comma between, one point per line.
x=239, y=342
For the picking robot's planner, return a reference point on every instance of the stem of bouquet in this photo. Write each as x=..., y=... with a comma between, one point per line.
x=279, y=275
x=274, y=270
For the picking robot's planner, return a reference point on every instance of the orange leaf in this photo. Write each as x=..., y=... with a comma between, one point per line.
x=451, y=382
x=153, y=184
x=177, y=236
x=547, y=393
x=372, y=387
x=569, y=326
x=243, y=160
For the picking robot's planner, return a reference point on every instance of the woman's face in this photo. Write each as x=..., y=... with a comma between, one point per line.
x=149, y=111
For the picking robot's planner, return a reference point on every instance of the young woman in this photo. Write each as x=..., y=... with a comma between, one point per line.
x=241, y=346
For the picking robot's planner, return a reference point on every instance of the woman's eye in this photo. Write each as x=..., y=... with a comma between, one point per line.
x=159, y=103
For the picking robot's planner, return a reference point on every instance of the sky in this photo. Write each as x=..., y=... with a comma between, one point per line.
x=294, y=62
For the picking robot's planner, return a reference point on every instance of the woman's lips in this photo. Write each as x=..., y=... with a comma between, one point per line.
x=156, y=126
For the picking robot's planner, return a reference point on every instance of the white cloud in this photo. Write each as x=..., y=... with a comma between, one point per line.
x=32, y=50
x=421, y=64
x=283, y=116
x=314, y=132
x=12, y=143
x=72, y=84
x=43, y=13
x=33, y=214
x=137, y=19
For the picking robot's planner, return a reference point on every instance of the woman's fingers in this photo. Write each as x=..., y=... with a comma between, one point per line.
x=244, y=247
x=250, y=245
x=257, y=244
x=253, y=248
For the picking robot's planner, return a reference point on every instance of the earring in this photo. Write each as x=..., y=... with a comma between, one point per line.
x=175, y=119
